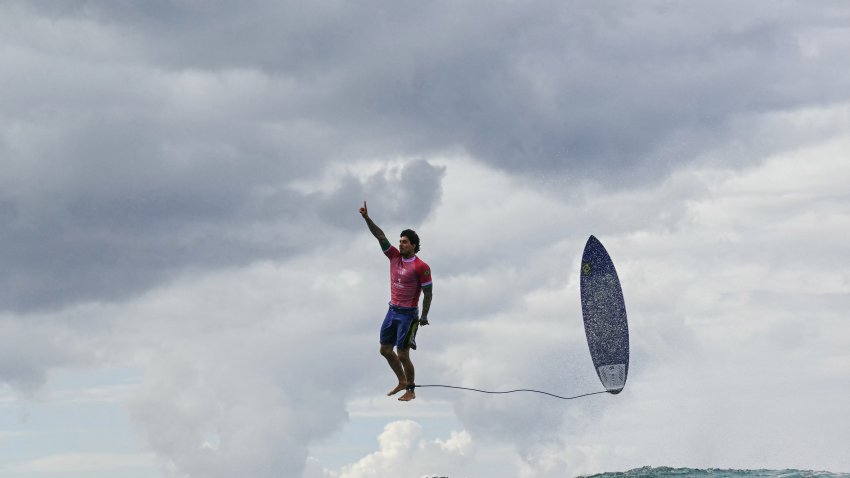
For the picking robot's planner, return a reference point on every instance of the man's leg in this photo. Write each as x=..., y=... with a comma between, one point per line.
x=409, y=373
x=396, y=365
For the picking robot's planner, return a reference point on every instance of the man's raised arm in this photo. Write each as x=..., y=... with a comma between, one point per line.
x=374, y=229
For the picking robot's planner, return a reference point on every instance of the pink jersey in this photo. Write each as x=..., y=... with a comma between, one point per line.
x=407, y=277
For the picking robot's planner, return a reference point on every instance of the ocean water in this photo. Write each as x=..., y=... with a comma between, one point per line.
x=667, y=472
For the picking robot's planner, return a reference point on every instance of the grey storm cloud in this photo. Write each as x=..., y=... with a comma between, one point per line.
x=142, y=138
x=107, y=245
x=213, y=156
x=586, y=88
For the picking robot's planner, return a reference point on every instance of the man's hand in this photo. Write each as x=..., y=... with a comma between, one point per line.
x=423, y=321
x=374, y=229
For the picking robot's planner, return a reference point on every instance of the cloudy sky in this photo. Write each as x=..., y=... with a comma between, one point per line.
x=187, y=289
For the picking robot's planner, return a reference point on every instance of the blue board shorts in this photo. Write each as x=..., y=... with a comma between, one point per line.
x=400, y=326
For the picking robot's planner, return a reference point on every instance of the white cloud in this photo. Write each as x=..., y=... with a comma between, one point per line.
x=403, y=452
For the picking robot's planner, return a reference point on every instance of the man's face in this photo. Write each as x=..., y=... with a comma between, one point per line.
x=405, y=247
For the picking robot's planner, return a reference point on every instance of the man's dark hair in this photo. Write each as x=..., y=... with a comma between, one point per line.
x=411, y=236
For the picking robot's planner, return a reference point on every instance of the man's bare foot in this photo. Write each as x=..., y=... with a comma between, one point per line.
x=408, y=396
x=397, y=389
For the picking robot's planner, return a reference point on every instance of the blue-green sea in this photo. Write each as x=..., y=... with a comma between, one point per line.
x=667, y=472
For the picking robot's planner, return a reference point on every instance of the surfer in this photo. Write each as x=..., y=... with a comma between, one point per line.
x=409, y=276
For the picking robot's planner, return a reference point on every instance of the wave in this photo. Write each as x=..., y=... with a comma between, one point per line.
x=668, y=472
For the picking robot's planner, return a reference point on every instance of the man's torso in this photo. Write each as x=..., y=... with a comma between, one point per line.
x=407, y=277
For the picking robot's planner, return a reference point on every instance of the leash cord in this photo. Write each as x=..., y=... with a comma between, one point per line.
x=511, y=391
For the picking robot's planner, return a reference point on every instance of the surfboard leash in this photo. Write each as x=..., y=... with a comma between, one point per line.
x=512, y=391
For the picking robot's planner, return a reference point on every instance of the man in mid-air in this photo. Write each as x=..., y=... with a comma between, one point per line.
x=409, y=276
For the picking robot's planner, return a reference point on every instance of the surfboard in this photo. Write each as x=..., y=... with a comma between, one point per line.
x=604, y=312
